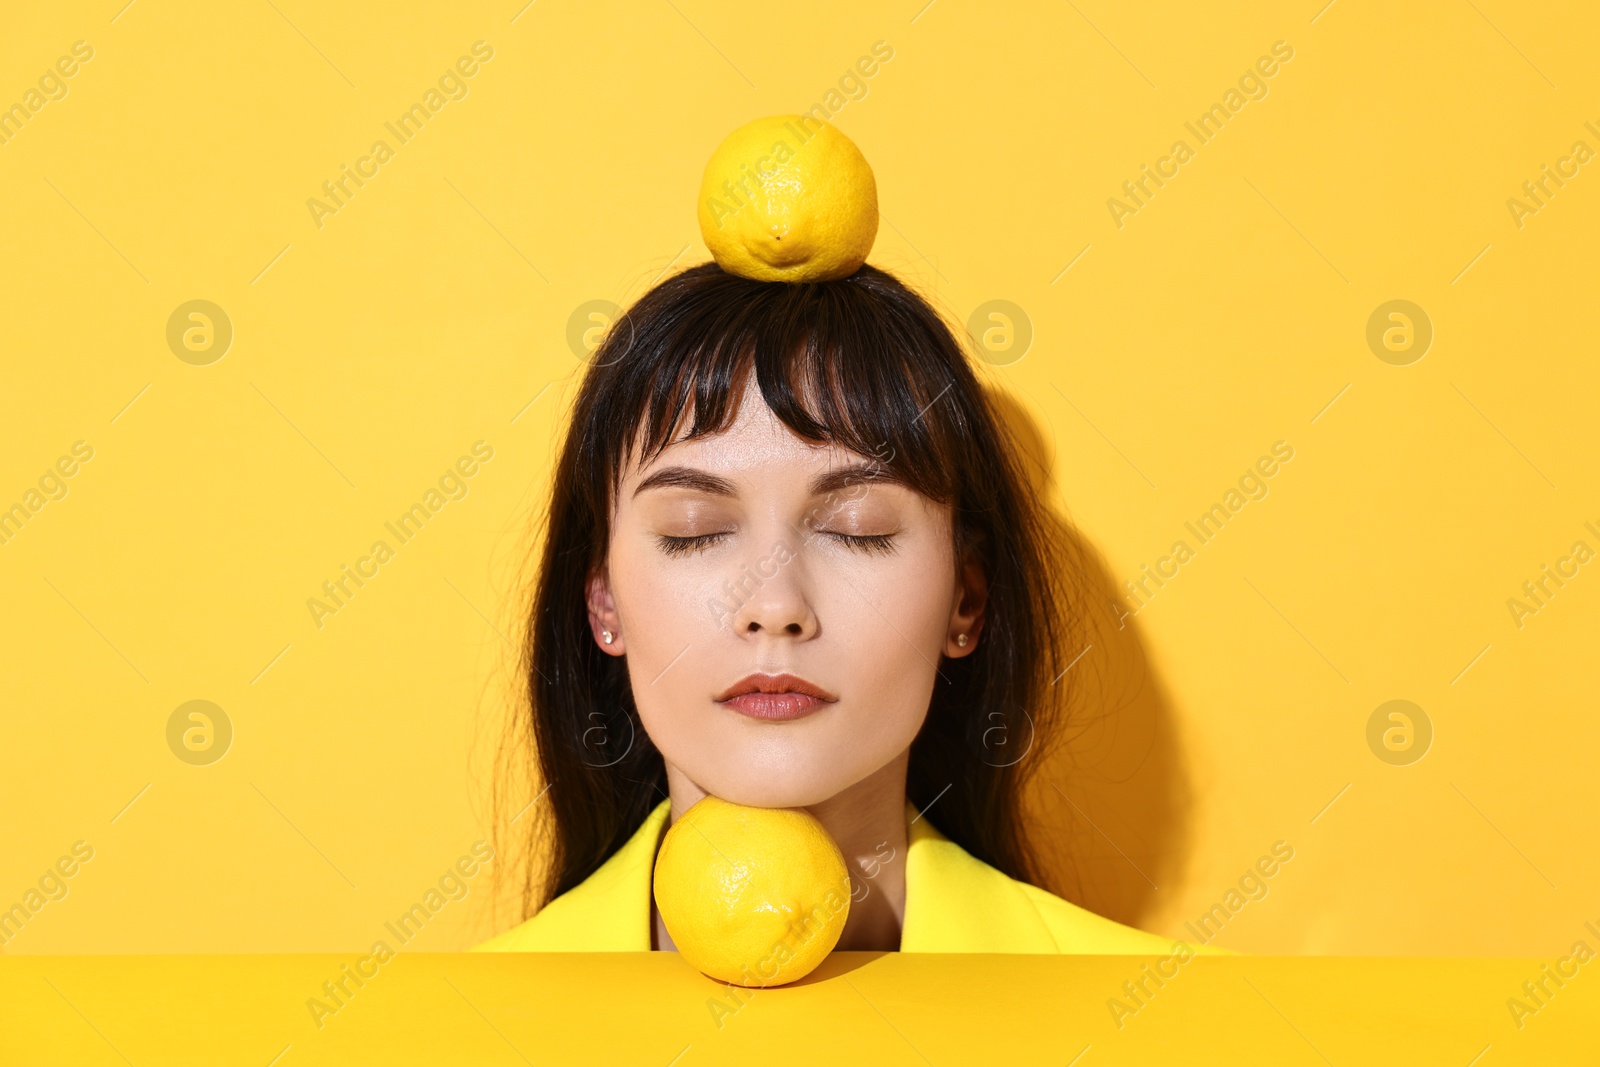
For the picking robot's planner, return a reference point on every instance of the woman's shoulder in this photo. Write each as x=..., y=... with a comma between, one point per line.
x=956, y=902
x=607, y=912
x=1090, y=932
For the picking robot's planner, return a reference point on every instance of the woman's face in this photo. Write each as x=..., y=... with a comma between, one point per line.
x=733, y=555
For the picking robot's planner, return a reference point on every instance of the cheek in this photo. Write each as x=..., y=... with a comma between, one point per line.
x=673, y=635
x=889, y=626
x=894, y=610
x=662, y=604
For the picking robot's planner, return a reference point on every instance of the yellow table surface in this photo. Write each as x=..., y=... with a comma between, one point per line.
x=859, y=1007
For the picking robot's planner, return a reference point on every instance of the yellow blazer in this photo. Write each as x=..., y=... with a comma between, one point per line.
x=954, y=903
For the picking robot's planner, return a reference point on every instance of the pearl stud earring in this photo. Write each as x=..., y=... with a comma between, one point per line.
x=605, y=635
x=961, y=640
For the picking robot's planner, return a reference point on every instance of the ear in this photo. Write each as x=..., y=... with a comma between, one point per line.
x=972, y=595
x=603, y=614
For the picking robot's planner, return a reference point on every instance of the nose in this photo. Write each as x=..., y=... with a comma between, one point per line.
x=773, y=597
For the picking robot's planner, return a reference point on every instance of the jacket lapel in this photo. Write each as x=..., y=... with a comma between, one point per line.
x=957, y=903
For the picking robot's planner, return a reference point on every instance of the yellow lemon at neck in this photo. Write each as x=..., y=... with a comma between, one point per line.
x=788, y=199
x=751, y=896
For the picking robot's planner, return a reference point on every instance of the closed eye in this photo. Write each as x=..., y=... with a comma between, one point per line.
x=873, y=543
x=683, y=546
x=882, y=544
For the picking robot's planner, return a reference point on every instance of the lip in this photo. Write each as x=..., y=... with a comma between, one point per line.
x=775, y=697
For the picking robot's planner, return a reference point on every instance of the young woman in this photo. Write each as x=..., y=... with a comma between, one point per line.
x=791, y=561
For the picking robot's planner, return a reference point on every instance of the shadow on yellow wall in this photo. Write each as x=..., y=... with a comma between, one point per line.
x=1109, y=802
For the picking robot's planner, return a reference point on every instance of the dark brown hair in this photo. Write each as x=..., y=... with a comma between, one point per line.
x=886, y=378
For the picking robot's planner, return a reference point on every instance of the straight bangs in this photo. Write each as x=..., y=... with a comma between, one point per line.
x=845, y=364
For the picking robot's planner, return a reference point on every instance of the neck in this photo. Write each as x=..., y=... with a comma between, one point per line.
x=867, y=821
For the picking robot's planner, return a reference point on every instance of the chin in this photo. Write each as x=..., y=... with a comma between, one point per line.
x=777, y=777
x=773, y=794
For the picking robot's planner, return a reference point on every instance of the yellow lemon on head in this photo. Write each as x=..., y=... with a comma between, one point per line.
x=788, y=198
x=751, y=896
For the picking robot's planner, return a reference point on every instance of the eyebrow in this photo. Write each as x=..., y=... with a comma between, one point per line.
x=715, y=485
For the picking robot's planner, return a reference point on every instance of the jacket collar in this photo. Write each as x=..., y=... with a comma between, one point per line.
x=954, y=901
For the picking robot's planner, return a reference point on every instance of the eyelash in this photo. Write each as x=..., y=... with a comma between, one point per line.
x=682, y=546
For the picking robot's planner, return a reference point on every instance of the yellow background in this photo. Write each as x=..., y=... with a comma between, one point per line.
x=432, y=312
